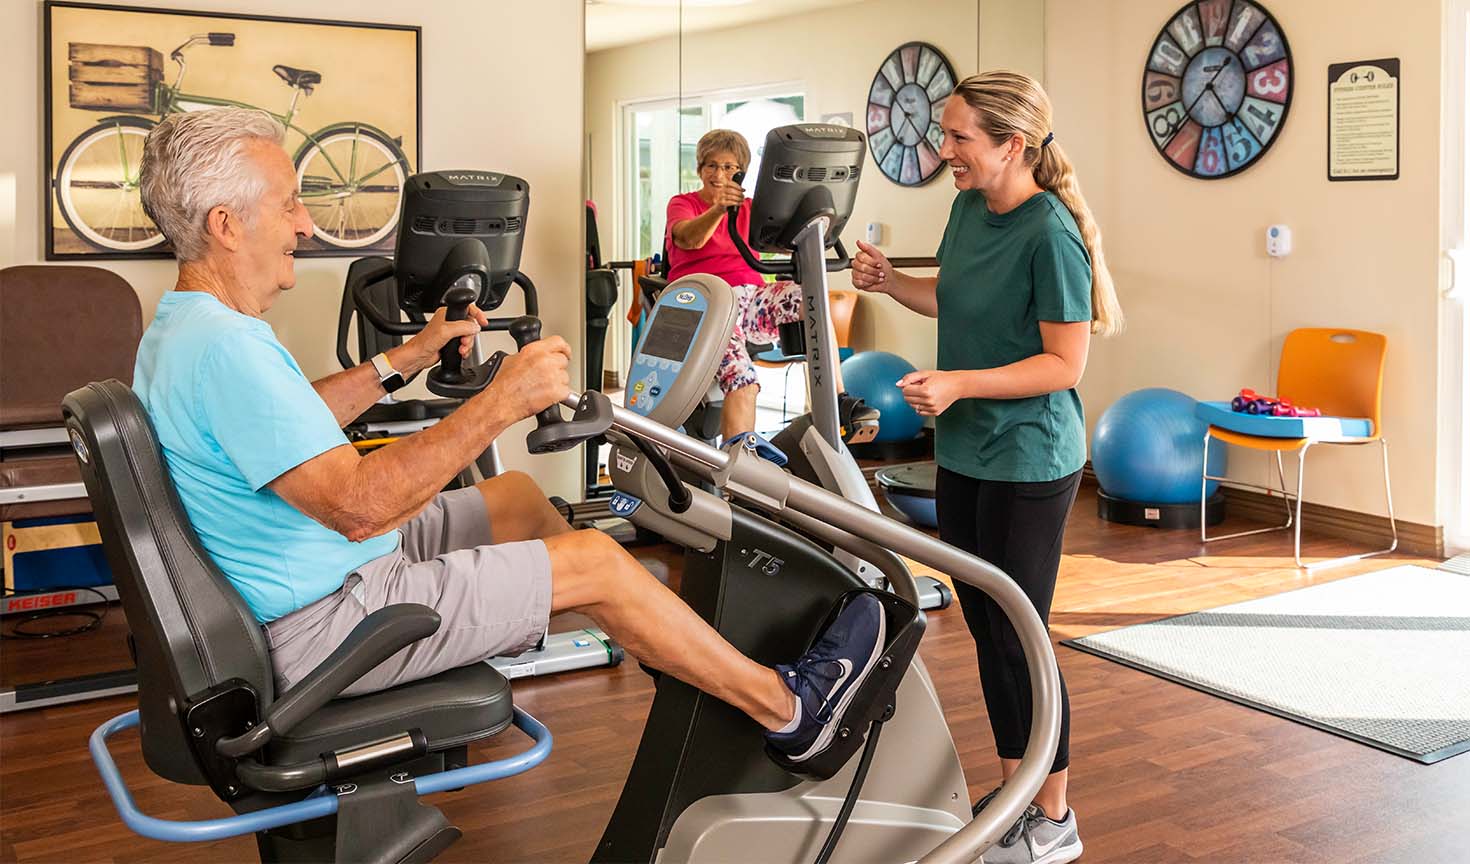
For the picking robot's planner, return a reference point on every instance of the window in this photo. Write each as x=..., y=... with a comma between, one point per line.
x=663, y=139
x=657, y=161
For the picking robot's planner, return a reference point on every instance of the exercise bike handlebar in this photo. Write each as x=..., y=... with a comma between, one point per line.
x=783, y=267
x=755, y=480
x=384, y=324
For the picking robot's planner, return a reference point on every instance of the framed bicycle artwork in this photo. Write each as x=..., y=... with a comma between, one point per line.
x=347, y=94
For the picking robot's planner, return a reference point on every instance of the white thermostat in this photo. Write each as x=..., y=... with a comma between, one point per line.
x=1278, y=241
x=874, y=233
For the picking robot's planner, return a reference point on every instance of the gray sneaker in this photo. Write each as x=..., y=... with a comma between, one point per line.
x=1035, y=839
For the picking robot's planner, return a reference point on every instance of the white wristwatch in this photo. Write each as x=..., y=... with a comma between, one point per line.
x=390, y=378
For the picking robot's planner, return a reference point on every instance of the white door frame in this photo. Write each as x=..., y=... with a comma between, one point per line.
x=1454, y=364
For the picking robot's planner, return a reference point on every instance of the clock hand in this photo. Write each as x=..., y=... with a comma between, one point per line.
x=912, y=126
x=1209, y=88
x=899, y=108
x=1219, y=101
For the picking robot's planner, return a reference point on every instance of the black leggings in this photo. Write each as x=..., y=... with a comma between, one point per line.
x=1017, y=527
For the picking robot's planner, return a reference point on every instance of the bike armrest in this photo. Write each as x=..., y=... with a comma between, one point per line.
x=376, y=638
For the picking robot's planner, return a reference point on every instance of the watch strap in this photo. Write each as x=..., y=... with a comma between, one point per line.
x=390, y=378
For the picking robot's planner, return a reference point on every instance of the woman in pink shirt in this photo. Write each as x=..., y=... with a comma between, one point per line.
x=699, y=242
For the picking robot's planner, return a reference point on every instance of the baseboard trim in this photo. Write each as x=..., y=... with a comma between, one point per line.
x=1369, y=529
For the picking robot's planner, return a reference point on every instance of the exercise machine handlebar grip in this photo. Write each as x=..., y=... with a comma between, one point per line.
x=457, y=302
x=526, y=330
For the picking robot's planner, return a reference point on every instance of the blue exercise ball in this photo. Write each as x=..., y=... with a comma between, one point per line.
x=873, y=377
x=1148, y=447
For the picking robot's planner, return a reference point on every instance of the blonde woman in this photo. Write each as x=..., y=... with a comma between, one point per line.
x=1022, y=287
x=699, y=242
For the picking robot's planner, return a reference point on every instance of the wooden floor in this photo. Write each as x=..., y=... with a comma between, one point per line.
x=1160, y=773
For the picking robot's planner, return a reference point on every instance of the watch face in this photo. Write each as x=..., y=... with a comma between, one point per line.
x=904, y=105
x=1216, y=87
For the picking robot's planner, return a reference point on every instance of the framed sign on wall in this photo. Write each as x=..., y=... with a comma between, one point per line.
x=347, y=94
x=1363, y=120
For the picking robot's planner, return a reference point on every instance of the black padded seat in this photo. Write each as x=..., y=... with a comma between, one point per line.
x=305, y=78
x=193, y=632
x=451, y=708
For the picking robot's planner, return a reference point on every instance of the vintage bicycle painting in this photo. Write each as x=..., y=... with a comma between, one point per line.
x=347, y=93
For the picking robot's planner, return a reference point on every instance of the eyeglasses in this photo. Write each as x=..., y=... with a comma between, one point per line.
x=726, y=168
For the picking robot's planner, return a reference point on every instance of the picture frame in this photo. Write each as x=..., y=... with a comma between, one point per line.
x=1364, y=111
x=348, y=94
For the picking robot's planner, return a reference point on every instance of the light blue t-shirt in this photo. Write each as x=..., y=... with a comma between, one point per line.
x=233, y=412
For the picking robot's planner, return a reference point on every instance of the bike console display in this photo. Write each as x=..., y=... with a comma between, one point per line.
x=459, y=242
x=460, y=227
x=681, y=348
x=807, y=170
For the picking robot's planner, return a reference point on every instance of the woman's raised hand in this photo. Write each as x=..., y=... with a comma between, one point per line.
x=728, y=194
x=871, y=269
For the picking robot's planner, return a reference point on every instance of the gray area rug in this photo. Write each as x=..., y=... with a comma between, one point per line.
x=1382, y=658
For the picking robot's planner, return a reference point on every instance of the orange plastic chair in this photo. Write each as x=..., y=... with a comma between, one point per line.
x=1340, y=372
x=843, y=305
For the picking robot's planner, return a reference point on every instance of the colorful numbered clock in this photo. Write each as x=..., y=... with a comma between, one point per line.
x=904, y=105
x=1217, y=87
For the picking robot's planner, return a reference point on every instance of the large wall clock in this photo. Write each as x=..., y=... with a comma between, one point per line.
x=1217, y=87
x=904, y=105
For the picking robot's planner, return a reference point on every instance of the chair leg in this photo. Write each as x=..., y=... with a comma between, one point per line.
x=1301, y=494
x=1285, y=499
x=1393, y=526
x=1204, y=485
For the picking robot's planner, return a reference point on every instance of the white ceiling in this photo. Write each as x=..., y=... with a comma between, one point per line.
x=611, y=23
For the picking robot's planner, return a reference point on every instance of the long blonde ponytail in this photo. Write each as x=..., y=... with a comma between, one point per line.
x=1008, y=103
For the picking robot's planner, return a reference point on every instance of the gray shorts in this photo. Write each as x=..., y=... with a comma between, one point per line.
x=493, y=600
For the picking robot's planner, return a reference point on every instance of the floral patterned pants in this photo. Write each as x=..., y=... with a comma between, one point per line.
x=763, y=308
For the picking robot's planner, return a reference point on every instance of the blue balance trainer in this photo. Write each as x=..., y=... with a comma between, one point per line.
x=1148, y=454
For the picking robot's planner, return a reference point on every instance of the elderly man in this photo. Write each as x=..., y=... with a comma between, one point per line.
x=315, y=536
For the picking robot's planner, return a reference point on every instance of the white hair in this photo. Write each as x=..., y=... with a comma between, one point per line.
x=195, y=161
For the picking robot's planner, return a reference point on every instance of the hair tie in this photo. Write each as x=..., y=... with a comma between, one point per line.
x=1047, y=140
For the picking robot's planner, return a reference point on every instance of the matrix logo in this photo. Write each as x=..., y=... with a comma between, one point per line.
x=472, y=178
x=626, y=461
x=685, y=297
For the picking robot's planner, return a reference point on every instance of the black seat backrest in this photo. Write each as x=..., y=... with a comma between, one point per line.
x=191, y=631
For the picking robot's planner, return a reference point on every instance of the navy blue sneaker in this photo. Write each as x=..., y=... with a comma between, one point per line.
x=763, y=448
x=827, y=677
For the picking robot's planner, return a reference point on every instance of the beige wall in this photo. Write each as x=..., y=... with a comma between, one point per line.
x=834, y=69
x=1207, y=307
x=481, y=109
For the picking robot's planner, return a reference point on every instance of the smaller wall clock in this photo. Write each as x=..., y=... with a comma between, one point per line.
x=904, y=105
x=1217, y=86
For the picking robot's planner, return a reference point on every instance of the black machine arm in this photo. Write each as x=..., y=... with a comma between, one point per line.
x=783, y=267
x=376, y=638
x=375, y=316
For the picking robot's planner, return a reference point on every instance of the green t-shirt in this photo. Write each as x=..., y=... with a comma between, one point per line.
x=1000, y=275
